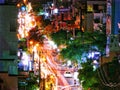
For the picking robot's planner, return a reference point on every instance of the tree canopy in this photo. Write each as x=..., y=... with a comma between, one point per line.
x=82, y=42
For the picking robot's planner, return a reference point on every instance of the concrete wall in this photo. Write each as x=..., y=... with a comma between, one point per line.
x=8, y=43
x=8, y=27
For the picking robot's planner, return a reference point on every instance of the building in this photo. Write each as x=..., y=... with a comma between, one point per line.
x=8, y=46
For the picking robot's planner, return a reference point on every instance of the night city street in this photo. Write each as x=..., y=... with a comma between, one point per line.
x=59, y=45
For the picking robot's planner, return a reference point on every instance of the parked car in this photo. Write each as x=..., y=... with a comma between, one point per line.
x=68, y=74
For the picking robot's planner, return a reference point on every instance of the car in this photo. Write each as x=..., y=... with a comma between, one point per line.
x=68, y=74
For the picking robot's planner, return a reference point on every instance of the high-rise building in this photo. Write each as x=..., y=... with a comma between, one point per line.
x=8, y=45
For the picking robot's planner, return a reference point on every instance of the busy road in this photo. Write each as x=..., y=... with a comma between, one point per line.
x=66, y=77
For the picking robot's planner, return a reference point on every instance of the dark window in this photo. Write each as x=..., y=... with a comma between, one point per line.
x=95, y=8
x=99, y=8
x=13, y=52
x=13, y=26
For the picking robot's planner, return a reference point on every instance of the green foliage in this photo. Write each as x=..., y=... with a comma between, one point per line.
x=32, y=82
x=32, y=86
x=92, y=80
x=75, y=48
x=88, y=76
x=59, y=37
x=72, y=52
x=79, y=44
x=100, y=40
x=22, y=44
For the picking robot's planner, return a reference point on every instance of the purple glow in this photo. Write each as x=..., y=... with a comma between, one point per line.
x=2, y=1
x=94, y=55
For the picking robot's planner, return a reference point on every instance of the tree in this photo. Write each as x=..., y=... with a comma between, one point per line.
x=109, y=74
x=76, y=46
x=104, y=78
x=88, y=77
